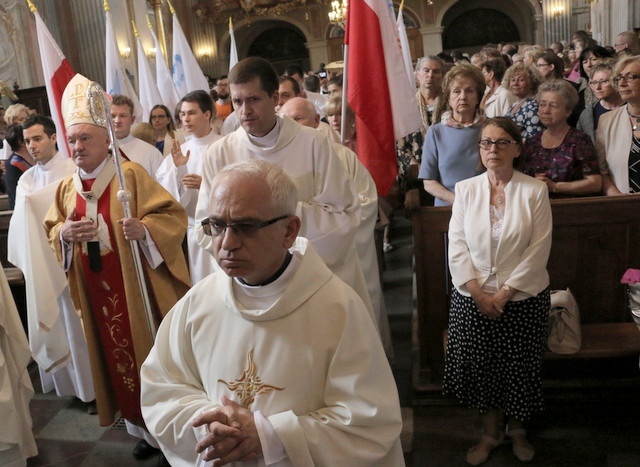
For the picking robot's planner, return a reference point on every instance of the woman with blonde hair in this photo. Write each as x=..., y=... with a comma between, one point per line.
x=333, y=112
x=15, y=114
x=523, y=81
x=618, y=136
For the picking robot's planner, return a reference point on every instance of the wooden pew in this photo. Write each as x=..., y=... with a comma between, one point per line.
x=594, y=241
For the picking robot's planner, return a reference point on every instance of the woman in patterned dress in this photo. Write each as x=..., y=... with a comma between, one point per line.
x=523, y=81
x=499, y=242
x=562, y=157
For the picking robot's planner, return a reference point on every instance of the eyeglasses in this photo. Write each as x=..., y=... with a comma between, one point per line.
x=158, y=117
x=215, y=228
x=500, y=144
x=540, y=65
x=601, y=82
x=627, y=78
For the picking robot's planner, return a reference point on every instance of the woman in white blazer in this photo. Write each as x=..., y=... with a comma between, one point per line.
x=499, y=242
x=618, y=135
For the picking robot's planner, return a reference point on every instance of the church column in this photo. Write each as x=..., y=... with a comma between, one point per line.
x=317, y=53
x=556, y=22
x=432, y=39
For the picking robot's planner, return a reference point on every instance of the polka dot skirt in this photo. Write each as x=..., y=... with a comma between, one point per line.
x=496, y=363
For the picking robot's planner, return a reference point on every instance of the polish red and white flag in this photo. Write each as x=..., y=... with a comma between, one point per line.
x=57, y=73
x=377, y=87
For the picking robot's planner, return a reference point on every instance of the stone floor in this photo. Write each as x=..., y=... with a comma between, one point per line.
x=581, y=427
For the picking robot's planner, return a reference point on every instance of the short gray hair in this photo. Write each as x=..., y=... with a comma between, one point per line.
x=562, y=88
x=284, y=192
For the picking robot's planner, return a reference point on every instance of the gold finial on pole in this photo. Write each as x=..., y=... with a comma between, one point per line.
x=401, y=5
x=135, y=30
x=105, y=5
x=173, y=12
x=230, y=23
x=32, y=7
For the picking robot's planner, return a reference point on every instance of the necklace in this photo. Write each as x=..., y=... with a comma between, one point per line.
x=636, y=125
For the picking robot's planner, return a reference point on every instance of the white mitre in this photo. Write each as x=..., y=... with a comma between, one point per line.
x=75, y=103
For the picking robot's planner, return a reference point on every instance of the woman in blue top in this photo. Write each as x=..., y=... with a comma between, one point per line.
x=450, y=151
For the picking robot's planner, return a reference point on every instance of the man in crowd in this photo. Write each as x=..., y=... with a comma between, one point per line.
x=56, y=339
x=181, y=173
x=328, y=203
x=273, y=360
x=288, y=89
x=91, y=237
x=18, y=163
x=318, y=99
x=304, y=112
x=223, y=103
x=627, y=43
x=136, y=150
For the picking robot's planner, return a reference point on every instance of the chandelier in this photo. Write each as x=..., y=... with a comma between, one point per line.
x=338, y=13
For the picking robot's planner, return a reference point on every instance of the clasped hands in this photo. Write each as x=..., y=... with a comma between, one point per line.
x=84, y=230
x=231, y=434
x=491, y=305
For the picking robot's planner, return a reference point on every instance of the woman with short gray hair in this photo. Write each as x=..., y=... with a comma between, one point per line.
x=562, y=157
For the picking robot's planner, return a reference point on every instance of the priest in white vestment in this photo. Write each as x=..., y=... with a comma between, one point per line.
x=181, y=172
x=328, y=203
x=16, y=436
x=273, y=360
x=136, y=150
x=304, y=112
x=56, y=337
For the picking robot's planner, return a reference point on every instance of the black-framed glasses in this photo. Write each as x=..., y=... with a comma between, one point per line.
x=500, y=144
x=600, y=82
x=628, y=77
x=215, y=228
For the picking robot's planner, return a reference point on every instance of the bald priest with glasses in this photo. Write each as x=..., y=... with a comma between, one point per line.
x=272, y=360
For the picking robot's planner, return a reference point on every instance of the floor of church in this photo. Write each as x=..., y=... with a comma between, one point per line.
x=581, y=427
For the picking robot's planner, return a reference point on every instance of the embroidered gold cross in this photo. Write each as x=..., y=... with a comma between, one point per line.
x=249, y=384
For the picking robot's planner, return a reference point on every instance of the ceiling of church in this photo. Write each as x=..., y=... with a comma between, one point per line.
x=221, y=10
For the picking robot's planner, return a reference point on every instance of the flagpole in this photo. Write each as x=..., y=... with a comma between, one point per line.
x=343, y=119
x=157, y=8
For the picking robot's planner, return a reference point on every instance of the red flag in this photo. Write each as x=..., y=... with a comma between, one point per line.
x=57, y=74
x=377, y=88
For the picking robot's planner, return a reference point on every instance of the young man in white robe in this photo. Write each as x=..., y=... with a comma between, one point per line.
x=136, y=150
x=273, y=360
x=328, y=202
x=56, y=337
x=181, y=174
x=304, y=112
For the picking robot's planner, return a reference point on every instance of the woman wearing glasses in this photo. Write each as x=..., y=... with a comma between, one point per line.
x=499, y=242
x=618, y=135
x=562, y=157
x=606, y=95
x=165, y=129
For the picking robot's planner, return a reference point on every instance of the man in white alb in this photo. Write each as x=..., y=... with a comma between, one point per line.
x=135, y=149
x=273, y=360
x=181, y=173
x=328, y=203
x=304, y=112
x=56, y=338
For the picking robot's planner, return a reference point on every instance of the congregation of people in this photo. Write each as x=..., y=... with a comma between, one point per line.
x=259, y=334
